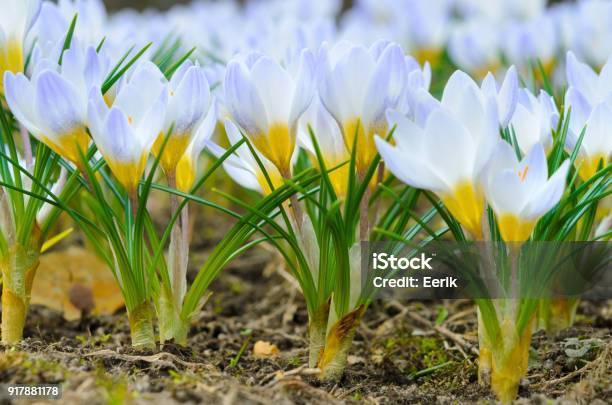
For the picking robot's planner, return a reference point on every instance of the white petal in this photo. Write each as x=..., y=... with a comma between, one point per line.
x=189, y=102
x=408, y=168
x=449, y=149
x=581, y=76
x=534, y=169
x=138, y=92
x=117, y=140
x=304, y=87
x=508, y=95
x=526, y=127
x=57, y=104
x=275, y=88
x=407, y=135
x=597, y=131
x=243, y=100
x=386, y=85
x=580, y=110
x=153, y=121
x=505, y=193
x=19, y=94
x=453, y=96
x=350, y=80
x=549, y=195
x=236, y=168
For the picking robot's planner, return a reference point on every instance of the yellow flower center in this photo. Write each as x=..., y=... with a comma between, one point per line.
x=513, y=229
x=277, y=146
x=128, y=173
x=466, y=203
x=69, y=144
x=11, y=59
x=366, y=148
x=588, y=167
x=431, y=55
x=173, y=151
x=185, y=173
x=275, y=178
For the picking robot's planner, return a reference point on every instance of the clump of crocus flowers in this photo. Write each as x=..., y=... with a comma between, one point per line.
x=345, y=143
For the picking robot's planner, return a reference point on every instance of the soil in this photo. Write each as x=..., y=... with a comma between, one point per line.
x=404, y=352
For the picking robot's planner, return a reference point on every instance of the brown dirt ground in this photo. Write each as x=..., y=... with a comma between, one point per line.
x=400, y=354
x=391, y=361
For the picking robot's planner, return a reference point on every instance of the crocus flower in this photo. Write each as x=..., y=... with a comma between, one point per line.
x=357, y=86
x=428, y=25
x=243, y=167
x=125, y=132
x=188, y=102
x=592, y=87
x=531, y=41
x=534, y=119
x=329, y=140
x=53, y=104
x=521, y=192
x=16, y=19
x=267, y=102
x=589, y=28
x=498, y=10
x=447, y=156
x=461, y=89
x=589, y=98
x=596, y=146
x=474, y=46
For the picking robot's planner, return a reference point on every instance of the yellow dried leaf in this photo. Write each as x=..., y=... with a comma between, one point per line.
x=264, y=349
x=75, y=280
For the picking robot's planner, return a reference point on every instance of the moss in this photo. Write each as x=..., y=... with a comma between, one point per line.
x=113, y=387
x=420, y=353
x=93, y=341
x=432, y=351
x=182, y=379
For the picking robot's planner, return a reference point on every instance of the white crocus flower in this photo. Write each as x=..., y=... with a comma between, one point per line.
x=125, y=132
x=243, y=167
x=531, y=41
x=589, y=30
x=428, y=28
x=461, y=88
x=534, y=120
x=594, y=88
x=357, y=85
x=474, y=46
x=596, y=146
x=330, y=142
x=588, y=101
x=267, y=102
x=188, y=103
x=16, y=18
x=447, y=156
x=53, y=104
x=520, y=193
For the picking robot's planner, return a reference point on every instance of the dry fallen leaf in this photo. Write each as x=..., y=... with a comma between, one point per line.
x=264, y=349
x=73, y=281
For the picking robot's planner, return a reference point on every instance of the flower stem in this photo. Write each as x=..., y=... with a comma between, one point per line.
x=557, y=314
x=333, y=359
x=18, y=269
x=171, y=325
x=141, y=326
x=364, y=222
x=317, y=330
x=510, y=362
